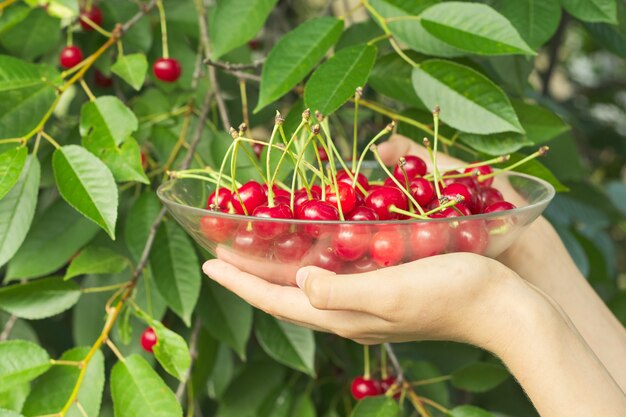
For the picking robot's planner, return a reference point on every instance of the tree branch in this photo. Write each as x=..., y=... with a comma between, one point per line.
x=193, y=351
x=8, y=326
x=144, y=11
x=553, y=54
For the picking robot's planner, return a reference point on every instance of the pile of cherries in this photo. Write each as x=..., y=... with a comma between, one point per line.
x=164, y=69
x=352, y=247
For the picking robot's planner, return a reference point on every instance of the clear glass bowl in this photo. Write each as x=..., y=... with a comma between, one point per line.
x=347, y=247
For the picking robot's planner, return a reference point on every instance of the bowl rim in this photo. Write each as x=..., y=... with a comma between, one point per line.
x=551, y=192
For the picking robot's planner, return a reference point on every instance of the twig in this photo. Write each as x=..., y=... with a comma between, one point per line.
x=193, y=351
x=394, y=361
x=553, y=53
x=228, y=66
x=144, y=11
x=6, y=332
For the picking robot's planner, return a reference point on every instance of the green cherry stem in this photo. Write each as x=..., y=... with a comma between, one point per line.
x=278, y=120
x=380, y=134
x=540, y=152
x=394, y=179
x=357, y=96
x=366, y=362
x=314, y=131
x=166, y=49
x=383, y=362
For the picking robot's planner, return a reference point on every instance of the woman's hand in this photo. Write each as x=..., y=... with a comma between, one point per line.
x=447, y=297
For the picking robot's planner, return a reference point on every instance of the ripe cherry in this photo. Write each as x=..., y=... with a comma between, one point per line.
x=148, y=339
x=223, y=200
x=248, y=243
x=362, y=387
x=487, y=196
x=323, y=154
x=258, y=149
x=382, y=199
x=300, y=197
x=414, y=167
x=94, y=14
x=422, y=191
x=322, y=255
x=167, y=69
x=498, y=206
x=428, y=239
x=471, y=236
x=317, y=210
x=271, y=230
x=387, y=247
x=347, y=197
x=482, y=170
x=351, y=241
x=217, y=229
x=70, y=56
x=457, y=210
x=102, y=80
x=291, y=247
x=387, y=383
x=362, y=213
x=250, y=195
x=361, y=179
x=456, y=188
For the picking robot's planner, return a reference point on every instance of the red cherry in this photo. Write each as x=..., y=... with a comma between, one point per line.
x=95, y=15
x=351, y=241
x=387, y=247
x=391, y=183
x=70, y=56
x=456, y=188
x=317, y=210
x=148, y=339
x=167, y=69
x=361, y=179
x=251, y=195
x=487, y=196
x=422, y=191
x=258, y=149
x=217, y=229
x=362, y=388
x=414, y=167
x=482, y=170
x=471, y=236
x=223, y=200
x=102, y=80
x=255, y=44
x=300, y=197
x=271, y=230
x=323, y=256
x=382, y=199
x=248, y=243
x=347, y=197
x=291, y=247
x=457, y=210
x=428, y=239
x=387, y=383
x=498, y=206
x=323, y=154
x=362, y=213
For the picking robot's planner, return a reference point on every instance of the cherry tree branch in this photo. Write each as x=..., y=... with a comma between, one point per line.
x=8, y=326
x=193, y=351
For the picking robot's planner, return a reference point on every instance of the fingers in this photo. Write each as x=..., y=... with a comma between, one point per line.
x=277, y=273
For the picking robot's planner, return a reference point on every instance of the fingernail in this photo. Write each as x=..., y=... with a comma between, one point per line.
x=207, y=269
x=301, y=277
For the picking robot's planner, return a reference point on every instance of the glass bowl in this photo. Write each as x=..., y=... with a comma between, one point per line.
x=350, y=247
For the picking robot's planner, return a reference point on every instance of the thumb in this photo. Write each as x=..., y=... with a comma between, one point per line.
x=328, y=291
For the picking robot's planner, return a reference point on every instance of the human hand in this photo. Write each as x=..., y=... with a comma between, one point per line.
x=446, y=297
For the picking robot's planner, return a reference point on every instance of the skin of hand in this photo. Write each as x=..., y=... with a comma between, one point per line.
x=540, y=257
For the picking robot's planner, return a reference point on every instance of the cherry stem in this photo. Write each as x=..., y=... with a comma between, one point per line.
x=166, y=49
x=540, y=152
x=300, y=156
x=497, y=160
x=394, y=179
x=350, y=173
x=269, y=182
x=380, y=134
x=383, y=363
x=407, y=186
x=357, y=97
x=222, y=166
x=244, y=101
x=366, y=362
x=435, y=146
x=286, y=150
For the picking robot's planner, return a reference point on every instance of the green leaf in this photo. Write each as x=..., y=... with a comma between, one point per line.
x=139, y=221
x=409, y=30
x=11, y=165
x=226, y=316
x=287, y=343
x=56, y=235
x=423, y=370
x=335, y=81
x=535, y=20
x=250, y=389
x=12, y=16
x=475, y=28
x=610, y=36
x=469, y=411
x=469, y=101
x=87, y=185
x=132, y=69
x=295, y=55
x=479, y=377
x=124, y=162
x=51, y=391
x=380, y=406
x=496, y=143
x=14, y=398
x=176, y=269
x=9, y=413
x=63, y=8
x=541, y=125
x=17, y=210
x=37, y=34
x=171, y=351
x=96, y=260
x=39, y=299
x=139, y=36
x=235, y=22
x=592, y=10
x=391, y=76
x=138, y=391
x=21, y=361
x=537, y=169
x=617, y=194
x=25, y=96
x=106, y=123
x=303, y=407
